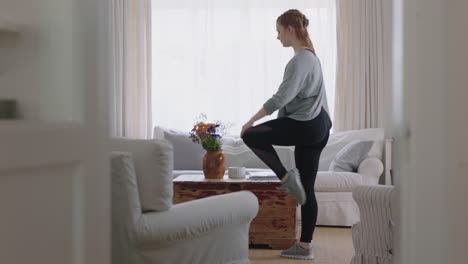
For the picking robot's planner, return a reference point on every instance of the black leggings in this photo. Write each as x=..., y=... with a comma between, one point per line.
x=309, y=139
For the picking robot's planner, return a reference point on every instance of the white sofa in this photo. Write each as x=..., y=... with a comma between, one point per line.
x=333, y=189
x=148, y=229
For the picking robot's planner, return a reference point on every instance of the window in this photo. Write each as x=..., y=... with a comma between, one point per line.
x=222, y=58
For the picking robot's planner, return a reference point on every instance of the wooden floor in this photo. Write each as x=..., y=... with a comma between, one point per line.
x=331, y=245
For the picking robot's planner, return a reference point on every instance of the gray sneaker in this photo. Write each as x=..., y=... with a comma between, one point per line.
x=294, y=186
x=298, y=252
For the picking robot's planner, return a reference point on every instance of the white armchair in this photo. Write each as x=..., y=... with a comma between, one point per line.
x=373, y=235
x=210, y=230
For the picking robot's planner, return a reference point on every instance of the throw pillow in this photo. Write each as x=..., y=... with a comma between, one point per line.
x=187, y=155
x=350, y=156
x=338, y=140
x=153, y=166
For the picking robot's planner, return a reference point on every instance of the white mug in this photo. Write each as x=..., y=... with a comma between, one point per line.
x=236, y=172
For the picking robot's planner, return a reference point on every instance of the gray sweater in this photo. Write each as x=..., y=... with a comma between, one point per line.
x=301, y=95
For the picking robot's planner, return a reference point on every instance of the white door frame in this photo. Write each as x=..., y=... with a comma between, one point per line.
x=54, y=170
x=431, y=129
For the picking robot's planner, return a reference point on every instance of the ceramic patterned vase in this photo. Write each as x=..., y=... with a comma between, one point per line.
x=214, y=164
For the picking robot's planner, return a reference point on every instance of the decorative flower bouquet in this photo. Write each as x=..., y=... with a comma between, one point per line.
x=208, y=134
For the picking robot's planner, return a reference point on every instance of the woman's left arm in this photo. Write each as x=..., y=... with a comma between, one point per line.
x=260, y=114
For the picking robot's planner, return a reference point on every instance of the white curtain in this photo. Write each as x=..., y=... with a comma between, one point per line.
x=222, y=58
x=131, y=59
x=363, y=64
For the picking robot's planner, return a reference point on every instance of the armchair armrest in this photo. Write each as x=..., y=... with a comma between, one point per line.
x=196, y=218
x=371, y=169
x=373, y=196
x=373, y=235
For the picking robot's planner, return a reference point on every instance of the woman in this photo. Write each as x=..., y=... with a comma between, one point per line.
x=303, y=121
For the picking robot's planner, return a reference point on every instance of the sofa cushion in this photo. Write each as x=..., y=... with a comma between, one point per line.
x=239, y=155
x=339, y=140
x=332, y=181
x=349, y=157
x=189, y=155
x=243, y=156
x=161, y=132
x=153, y=161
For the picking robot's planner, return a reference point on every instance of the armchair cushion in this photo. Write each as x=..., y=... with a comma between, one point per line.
x=153, y=161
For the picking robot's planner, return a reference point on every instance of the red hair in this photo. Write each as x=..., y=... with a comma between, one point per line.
x=299, y=22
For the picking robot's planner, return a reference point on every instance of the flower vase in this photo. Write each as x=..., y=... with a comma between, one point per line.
x=214, y=164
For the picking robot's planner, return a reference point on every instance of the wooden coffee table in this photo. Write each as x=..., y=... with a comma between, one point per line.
x=276, y=222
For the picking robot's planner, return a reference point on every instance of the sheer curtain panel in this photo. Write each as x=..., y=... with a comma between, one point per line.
x=131, y=74
x=222, y=58
x=363, y=64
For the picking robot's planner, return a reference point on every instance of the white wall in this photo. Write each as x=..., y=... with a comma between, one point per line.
x=430, y=114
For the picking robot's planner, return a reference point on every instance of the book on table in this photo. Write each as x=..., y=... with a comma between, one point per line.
x=262, y=175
